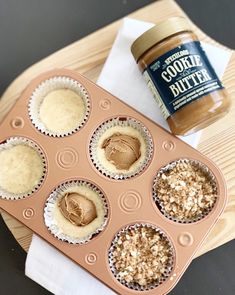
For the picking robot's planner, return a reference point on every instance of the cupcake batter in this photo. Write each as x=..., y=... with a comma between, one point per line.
x=21, y=169
x=62, y=110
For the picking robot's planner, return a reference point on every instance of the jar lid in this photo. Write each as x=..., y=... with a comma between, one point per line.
x=159, y=32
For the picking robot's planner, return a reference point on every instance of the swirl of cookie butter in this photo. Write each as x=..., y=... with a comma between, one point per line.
x=78, y=209
x=122, y=150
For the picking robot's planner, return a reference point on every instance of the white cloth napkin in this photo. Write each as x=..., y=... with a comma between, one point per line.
x=120, y=76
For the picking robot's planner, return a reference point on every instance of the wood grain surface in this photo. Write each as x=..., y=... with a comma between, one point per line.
x=87, y=56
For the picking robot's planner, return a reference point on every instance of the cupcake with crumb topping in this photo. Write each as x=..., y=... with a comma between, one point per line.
x=141, y=256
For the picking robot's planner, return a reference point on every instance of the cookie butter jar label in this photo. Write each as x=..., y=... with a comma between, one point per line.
x=180, y=76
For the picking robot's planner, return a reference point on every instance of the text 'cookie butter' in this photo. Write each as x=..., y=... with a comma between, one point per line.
x=180, y=76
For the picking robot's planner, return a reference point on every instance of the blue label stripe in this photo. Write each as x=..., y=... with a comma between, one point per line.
x=180, y=72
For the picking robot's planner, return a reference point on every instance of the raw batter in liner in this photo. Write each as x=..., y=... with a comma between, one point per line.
x=21, y=169
x=62, y=110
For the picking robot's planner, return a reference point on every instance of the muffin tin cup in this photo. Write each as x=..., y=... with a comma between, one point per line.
x=166, y=274
x=55, y=83
x=204, y=169
x=15, y=141
x=122, y=122
x=51, y=203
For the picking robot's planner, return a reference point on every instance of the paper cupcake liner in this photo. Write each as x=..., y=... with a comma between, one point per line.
x=52, y=202
x=54, y=83
x=125, y=123
x=165, y=275
x=14, y=141
x=204, y=169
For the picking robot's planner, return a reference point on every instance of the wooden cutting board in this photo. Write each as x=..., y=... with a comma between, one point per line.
x=87, y=56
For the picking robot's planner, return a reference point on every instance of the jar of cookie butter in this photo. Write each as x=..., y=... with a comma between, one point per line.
x=180, y=76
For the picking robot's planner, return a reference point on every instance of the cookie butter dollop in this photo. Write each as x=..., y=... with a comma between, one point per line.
x=122, y=150
x=78, y=209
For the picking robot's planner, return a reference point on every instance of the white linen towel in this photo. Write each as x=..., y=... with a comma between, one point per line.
x=120, y=76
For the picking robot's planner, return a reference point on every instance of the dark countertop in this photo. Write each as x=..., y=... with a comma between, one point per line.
x=31, y=30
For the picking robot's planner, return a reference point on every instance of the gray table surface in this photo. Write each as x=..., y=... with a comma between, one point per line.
x=31, y=30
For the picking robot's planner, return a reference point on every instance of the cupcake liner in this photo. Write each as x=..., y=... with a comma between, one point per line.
x=54, y=83
x=127, y=122
x=52, y=202
x=136, y=286
x=204, y=169
x=14, y=141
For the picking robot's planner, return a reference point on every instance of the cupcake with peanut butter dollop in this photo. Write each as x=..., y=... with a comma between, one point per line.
x=76, y=211
x=121, y=148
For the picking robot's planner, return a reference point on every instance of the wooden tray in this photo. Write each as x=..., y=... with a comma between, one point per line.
x=87, y=56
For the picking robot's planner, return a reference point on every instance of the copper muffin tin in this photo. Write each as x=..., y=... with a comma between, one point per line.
x=131, y=202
